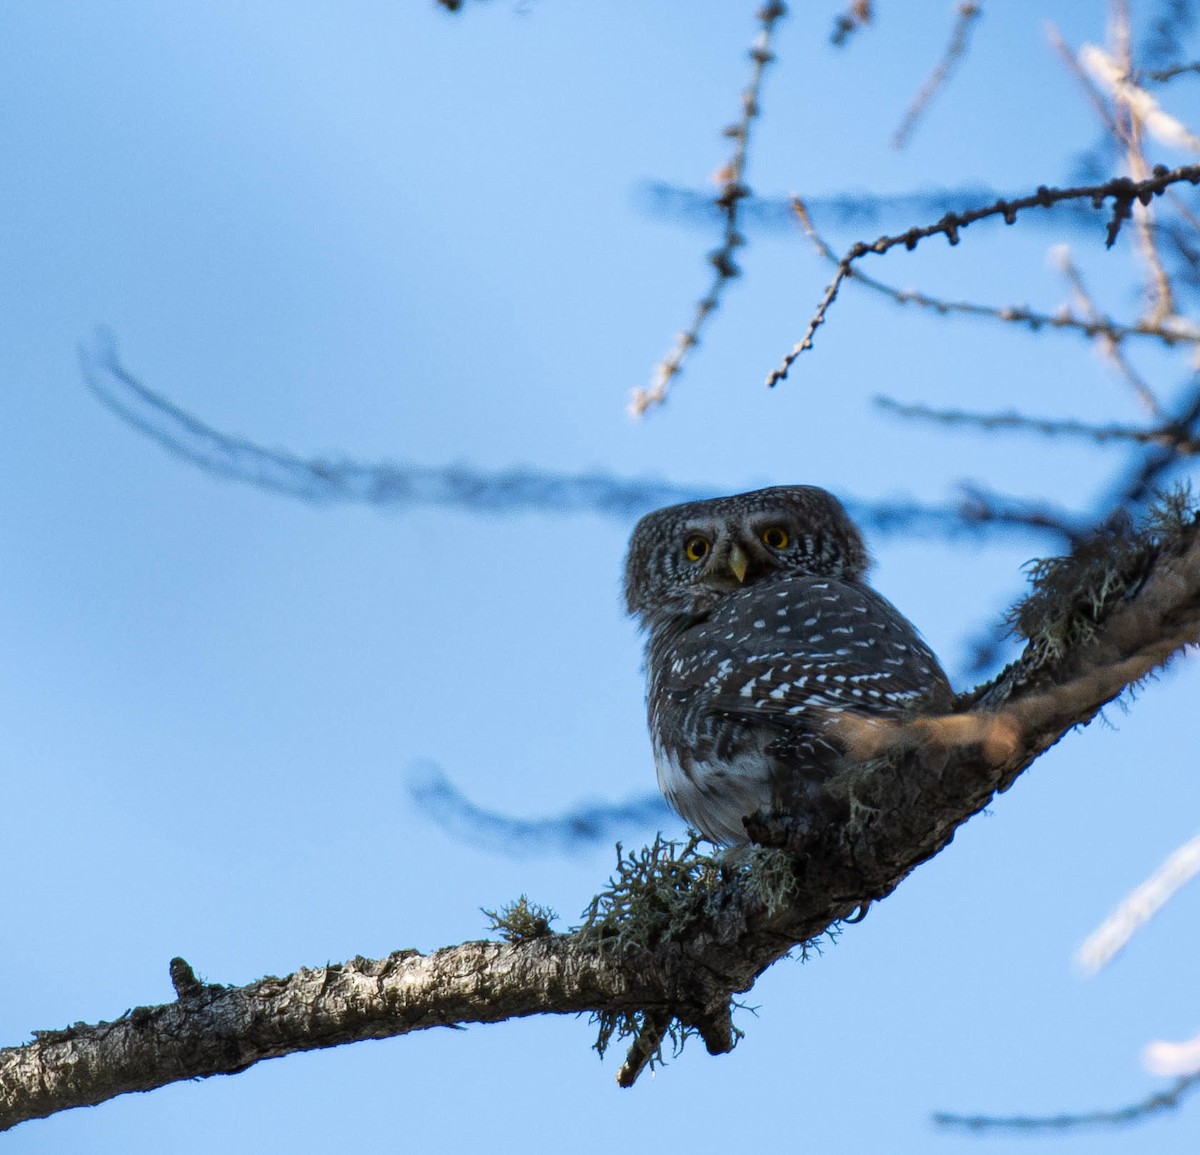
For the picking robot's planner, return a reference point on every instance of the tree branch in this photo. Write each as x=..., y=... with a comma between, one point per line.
x=676, y=935
x=1123, y=192
x=734, y=190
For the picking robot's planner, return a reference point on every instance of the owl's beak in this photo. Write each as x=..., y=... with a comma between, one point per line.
x=739, y=563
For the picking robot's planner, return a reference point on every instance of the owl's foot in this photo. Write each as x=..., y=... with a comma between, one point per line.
x=778, y=831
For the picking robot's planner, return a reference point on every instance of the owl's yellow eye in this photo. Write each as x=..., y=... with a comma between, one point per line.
x=776, y=537
x=696, y=548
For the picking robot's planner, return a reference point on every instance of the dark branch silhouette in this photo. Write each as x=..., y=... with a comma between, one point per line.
x=1169, y=332
x=582, y=827
x=394, y=486
x=1164, y=39
x=848, y=210
x=1152, y=469
x=1138, y=1112
x=1121, y=191
x=1162, y=75
x=1011, y=421
x=399, y=487
x=856, y=17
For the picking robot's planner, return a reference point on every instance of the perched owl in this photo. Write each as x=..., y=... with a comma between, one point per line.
x=761, y=630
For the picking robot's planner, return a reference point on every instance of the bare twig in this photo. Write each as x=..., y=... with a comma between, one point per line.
x=1162, y=75
x=854, y=210
x=1139, y=907
x=1134, y=109
x=733, y=191
x=960, y=38
x=1172, y=331
x=396, y=486
x=1109, y=348
x=1134, y=1113
x=644, y=1050
x=1121, y=190
x=1048, y=427
x=580, y=828
x=982, y=506
x=1095, y=98
x=857, y=15
x=1169, y=23
x=389, y=485
x=1139, y=483
x=1142, y=110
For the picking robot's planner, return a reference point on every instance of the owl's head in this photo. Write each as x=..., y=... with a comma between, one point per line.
x=684, y=559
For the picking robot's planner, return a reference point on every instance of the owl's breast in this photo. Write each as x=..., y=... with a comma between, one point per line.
x=741, y=702
x=714, y=796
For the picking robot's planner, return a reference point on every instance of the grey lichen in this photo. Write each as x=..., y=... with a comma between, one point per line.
x=1072, y=595
x=661, y=893
x=654, y=893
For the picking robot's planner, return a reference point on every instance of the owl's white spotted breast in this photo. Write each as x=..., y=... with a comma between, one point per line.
x=744, y=694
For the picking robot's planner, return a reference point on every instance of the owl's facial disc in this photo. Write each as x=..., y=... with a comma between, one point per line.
x=731, y=562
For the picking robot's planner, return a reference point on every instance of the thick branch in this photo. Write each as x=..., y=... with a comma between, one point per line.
x=868, y=829
x=213, y=1030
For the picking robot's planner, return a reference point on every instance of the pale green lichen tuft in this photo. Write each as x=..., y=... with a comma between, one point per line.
x=521, y=921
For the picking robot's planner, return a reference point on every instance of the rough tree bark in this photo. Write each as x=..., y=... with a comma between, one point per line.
x=874, y=824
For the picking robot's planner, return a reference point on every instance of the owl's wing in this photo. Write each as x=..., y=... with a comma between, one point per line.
x=788, y=651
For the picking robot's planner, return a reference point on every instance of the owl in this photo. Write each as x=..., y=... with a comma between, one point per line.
x=761, y=630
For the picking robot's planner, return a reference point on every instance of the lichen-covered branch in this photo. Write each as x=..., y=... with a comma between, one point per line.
x=676, y=934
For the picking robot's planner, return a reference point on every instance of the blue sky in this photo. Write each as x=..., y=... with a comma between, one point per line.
x=376, y=232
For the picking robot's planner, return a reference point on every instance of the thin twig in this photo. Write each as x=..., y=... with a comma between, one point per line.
x=1162, y=75
x=733, y=191
x=582, y=827
x=1139, y=485
x=1109, y=349
x=1122, y=190
x=1144, y=110
x=1139, y=907
x=982, y=506
x=1171, y=332
x=400, y=486
x=1162, y=40
x=1133, y=108
x=1134, y=1113
x=1094, y=96
x=858, y=15
x=1048, y=427
x=960, y=38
